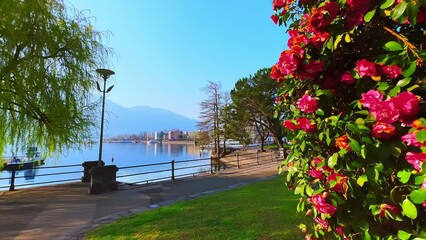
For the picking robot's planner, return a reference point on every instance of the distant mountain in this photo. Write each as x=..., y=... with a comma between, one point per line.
x=121, y=120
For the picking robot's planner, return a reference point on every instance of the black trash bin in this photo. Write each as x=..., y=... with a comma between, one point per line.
x=103, y=179
x=88, y=165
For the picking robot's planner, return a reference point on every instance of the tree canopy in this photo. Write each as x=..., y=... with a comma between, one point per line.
x=253, y=99
x=48, y=56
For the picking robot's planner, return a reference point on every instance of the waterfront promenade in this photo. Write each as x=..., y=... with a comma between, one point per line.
x=66, y=211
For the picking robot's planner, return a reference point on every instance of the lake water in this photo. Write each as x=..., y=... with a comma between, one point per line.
x=122, y=155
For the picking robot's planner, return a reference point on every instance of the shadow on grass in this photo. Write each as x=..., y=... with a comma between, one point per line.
x=263, y=210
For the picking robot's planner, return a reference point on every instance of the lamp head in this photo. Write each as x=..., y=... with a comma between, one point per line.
x=105, y=73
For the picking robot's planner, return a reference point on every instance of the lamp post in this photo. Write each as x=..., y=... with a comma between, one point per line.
x=105, y=73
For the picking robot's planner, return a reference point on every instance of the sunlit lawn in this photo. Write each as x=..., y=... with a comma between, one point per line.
x=263, y=210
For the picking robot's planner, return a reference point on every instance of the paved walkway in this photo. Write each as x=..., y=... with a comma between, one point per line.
x=66, y=211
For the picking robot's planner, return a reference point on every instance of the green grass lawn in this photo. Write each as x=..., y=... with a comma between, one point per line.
x=263, y=210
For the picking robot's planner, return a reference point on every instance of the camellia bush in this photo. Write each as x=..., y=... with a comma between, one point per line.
x=352, y=80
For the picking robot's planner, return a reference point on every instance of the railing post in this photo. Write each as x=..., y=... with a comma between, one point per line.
x=12, y=181
x=257, y=158
x=238, y=160
x=211, y=165
x=173, y=170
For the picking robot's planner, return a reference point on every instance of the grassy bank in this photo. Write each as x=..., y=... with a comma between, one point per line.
x=264, y=210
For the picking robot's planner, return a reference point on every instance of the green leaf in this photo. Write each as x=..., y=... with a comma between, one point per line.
x=404, y=176
x=353, y=128
x=421, y=136
x=361, y=180
x=300, y=189
x=302, y=146
x=409, y=209
x=329, y=43
x=367, y=235
x=363, y=112
x=337, y=41
x=393, y=46
x=347, y=38
x=309, y=190
x=363, y=152
x=387, y=4
x=321, y=92
x=418, y=196
x=332, y=161
x=382, y=86
x=320, y=112
x=412, y=11
x=403, y=235
x=403, y=82
x=410, y=70
x=412, y=87
x=354, y=144
x=394, y=91
x=422, y=2
x=398, y=10
x=424, y=167
x=419, y=179
x=369, y=15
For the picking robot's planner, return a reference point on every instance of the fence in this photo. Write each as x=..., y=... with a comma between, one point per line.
x=146, y=173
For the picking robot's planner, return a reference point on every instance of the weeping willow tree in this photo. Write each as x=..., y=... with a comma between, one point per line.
x=48, y=54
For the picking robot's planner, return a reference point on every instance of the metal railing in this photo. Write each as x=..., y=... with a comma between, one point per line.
x=148, y=173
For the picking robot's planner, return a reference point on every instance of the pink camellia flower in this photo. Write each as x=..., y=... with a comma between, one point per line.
x=347, y=78
x=408, y=105
x=314, y=66
x=371, y=98
x=288, y=62
x=421, y=15
x=416, y=159
x=385, y=111
x=297, y=39
x=321, y=205
x=277, y=4
x=275, y=18
x=319, y=37
x=306, y=125
x=276, y=74
x=342, y=142
x=339, y=180
x=366, y=68
x=323, y=16
x=418, y=124
x=410, y=139
x=299, y=52
x=322, y=223
x=383, y=130
x=318, y=160
x=390, y=71
x=385, y=208
x=315, y=173
x=290, y=125
x=362, y=5
x=354, y=19
x=307, y=104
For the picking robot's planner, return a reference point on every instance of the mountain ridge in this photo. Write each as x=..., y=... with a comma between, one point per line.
x=121, y=120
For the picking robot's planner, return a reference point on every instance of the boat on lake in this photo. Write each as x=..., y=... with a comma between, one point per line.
x=30, y=160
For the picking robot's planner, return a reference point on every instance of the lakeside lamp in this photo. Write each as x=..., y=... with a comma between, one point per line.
x=105, y=74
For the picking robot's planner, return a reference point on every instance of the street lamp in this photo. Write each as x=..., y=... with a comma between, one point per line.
x=105, y=73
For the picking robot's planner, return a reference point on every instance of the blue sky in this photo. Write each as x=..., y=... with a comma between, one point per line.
x=167, y=50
